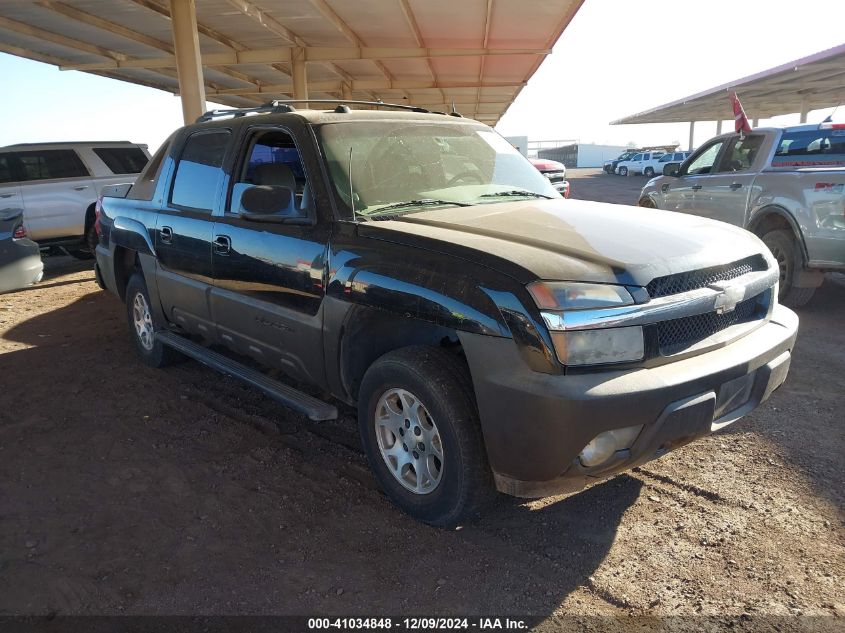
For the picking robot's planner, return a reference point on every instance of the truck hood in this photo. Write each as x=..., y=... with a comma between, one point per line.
x=572, y=240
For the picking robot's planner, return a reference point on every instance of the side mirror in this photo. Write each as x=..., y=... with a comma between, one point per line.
x=671, y=169
x=266, y=203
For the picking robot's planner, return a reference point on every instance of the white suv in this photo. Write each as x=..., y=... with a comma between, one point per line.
x=637, y=163
x=57, y=185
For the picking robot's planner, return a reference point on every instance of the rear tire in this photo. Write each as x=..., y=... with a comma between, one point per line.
x=142, y=327
x=424, y=394
x=785, y=251
x=647, y=203
x=87, y=249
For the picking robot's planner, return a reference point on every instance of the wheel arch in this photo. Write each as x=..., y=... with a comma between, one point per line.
x=126, y=264
x=367, y=334
x=773, y=218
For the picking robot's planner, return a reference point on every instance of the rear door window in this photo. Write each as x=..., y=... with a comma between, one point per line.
x=810, y=148
x=200, y=170
x=51, y=163
x=122, y=160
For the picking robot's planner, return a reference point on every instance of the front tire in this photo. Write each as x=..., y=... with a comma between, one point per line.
x=649, y=172
x=142, y=326
x=623, y=171
x=420, y=429
x=785, y=251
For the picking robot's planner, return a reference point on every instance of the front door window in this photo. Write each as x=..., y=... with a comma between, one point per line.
x=703, y=163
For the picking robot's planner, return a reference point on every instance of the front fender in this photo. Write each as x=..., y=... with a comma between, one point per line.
x=455, y=303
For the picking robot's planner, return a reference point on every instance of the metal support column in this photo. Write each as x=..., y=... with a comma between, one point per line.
x=755, y=123
x=691, y=132
x=718, y=127
x=346, y=91
x=300, y=77
x=188, y=59
x=805, y=109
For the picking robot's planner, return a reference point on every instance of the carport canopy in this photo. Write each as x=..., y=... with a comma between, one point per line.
x=475, y=54
x=809, y=83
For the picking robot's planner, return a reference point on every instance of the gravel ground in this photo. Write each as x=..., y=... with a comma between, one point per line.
x=128, y=490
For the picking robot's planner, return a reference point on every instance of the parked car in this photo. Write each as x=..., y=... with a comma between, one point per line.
x=416, y=266
x=638, y=163
x=786, y=185
x=20, y=258
x=657, y=165
x=57, y=185
x=554, y=171
x=610, y=165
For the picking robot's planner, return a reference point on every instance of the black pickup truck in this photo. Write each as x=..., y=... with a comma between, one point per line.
x=492, y=335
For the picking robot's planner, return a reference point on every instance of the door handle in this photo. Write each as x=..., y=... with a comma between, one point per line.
x=6, y=195
x=696, y=187
x=736, y=185
x=80, y=188
x=222, y=244
x=166, y=234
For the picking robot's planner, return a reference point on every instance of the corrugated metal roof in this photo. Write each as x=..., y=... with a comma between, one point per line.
x=813, y=82
x=477, y=53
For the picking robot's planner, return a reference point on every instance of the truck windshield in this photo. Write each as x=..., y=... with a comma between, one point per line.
x=400, y=167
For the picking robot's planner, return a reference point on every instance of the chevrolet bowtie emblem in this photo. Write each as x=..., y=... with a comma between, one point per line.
x=729, y=295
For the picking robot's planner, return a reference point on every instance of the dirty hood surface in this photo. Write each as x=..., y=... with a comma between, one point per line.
x=574, y=240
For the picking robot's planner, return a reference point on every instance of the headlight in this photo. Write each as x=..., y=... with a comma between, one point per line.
x=588, y=347
x=599, y=347
x=563, y=295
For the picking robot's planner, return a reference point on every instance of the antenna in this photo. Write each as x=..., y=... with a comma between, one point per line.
x=351, y=192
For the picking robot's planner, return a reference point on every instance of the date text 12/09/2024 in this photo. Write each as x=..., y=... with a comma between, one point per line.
x=418, y=624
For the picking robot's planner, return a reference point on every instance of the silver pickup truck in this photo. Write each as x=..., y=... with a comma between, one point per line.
x=57, y=184
x=786, y=185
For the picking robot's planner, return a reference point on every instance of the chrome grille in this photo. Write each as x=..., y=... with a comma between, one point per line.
x=676, y=335
x=684, y=282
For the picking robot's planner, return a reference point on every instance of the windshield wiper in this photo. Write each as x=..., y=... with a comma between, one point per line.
x=517, y=192
x=413, y=203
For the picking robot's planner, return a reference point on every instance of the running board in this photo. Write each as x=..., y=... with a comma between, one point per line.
x=313, y=408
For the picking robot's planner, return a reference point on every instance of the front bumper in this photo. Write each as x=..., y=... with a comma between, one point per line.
x=535, y=424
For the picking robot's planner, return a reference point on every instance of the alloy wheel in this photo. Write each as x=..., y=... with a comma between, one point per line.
x=409, y=441
x=143, y=322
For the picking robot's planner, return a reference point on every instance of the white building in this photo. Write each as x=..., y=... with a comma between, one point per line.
x=582, y=154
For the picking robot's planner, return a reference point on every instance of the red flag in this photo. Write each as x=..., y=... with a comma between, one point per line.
x=740, y=120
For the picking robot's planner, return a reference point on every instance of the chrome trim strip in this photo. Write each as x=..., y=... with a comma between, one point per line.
x=698, y=301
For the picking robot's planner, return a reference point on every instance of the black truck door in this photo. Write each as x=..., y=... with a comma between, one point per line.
x=184, y=230
x=268, y=277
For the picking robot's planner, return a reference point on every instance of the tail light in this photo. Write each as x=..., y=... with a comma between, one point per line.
x=19, y=232
x=98, y=207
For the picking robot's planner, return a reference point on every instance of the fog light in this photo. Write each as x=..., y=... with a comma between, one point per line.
x=602, y=447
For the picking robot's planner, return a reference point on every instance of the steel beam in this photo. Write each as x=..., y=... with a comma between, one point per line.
x=311, y=54
x=188, y=58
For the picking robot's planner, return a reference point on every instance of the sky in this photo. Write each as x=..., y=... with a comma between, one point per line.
x=617, y=57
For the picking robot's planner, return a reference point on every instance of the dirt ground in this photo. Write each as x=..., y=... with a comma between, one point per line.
x=129, y=490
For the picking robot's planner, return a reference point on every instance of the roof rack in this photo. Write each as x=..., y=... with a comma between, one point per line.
x=286, y=105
